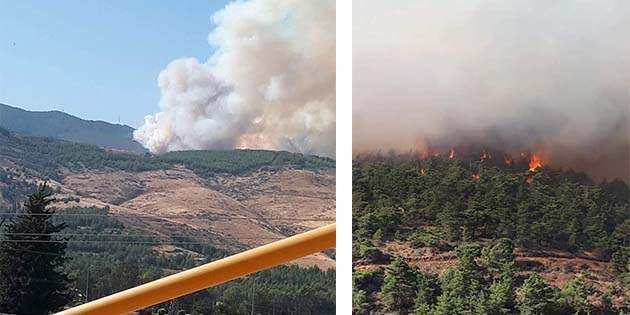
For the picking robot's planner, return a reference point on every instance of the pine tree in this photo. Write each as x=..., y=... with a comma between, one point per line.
x=31, y=281
x=499, y=258
x=535, y=297
x=360, y=302
x=576, y=293
x=501, y=298
x=463, y=290
x=399, y=286
x=428, y=292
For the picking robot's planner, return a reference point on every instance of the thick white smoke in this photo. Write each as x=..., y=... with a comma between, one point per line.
x=550, y=74
x=269, y=84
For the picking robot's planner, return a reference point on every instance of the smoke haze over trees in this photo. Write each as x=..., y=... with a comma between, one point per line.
x=511, y=75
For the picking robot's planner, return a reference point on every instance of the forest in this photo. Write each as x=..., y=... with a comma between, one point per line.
x=50, y=157
x=482, y=212
x=88, y=254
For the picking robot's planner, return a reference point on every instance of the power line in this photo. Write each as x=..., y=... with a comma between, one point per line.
x=112, y=242
x=35, y=252
x=143, y=235
x=216, y=217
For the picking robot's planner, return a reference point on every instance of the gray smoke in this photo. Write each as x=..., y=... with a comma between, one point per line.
x=551, y=76
x=270, y=83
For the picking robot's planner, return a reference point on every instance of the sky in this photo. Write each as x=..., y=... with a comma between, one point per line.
x=97, y=60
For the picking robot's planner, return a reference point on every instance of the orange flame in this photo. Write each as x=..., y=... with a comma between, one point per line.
x=421, y=171
x=426, y=152
x=475, y=176
x=508, y=159
x=530, y=180
x=485, y=155
x=451, y=154
x=534, y=162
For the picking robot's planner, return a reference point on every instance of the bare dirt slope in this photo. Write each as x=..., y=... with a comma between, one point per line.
x=230, y=212
x=555, y=266
x=291, y=197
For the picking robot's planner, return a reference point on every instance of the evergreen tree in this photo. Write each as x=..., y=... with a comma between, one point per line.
x=31, y=281
x=363, y=284
x=463, y=291
x=535, y=297
x=575, y=294
x=399, y=286
x=499, y=262
x=360, y=301
x=428, y=292
x=451, y=220
x=499, y=258
x=501, y=298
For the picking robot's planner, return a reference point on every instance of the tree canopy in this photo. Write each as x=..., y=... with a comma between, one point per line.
x=482, y=212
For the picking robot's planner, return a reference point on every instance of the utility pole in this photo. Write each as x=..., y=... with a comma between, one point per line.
x=87, y=286
x=253, y=285
x=192, y=308
x=172, y=307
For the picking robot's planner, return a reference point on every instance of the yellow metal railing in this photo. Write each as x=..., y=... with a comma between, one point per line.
x=210, y=274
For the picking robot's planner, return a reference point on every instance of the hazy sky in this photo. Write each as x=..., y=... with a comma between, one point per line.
x=424, y=67
x=521, y=74
x=97, y=59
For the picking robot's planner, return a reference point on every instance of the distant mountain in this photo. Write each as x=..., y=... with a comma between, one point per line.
x=56, y=124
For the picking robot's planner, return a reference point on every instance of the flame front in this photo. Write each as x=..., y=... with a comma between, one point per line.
x=475, y=176
x=534, y=162
x=485, y=155
x=508, y=159
x=426, y=152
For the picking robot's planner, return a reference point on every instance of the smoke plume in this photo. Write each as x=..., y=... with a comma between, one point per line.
x=550, y=76
x=269, y=84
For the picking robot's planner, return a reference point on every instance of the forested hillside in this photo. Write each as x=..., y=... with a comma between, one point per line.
x=59, y=125
x=444, y=235
x=49, y=157
x=131, y=218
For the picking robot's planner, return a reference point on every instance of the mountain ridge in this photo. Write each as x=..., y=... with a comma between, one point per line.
x=60, y=125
